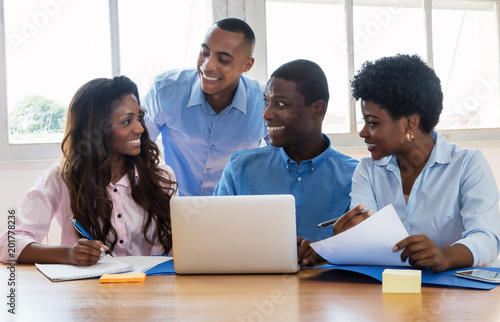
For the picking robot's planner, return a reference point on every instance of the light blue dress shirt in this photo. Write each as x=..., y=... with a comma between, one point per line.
x=197, y=142
x=320, y=186
x=453, y=200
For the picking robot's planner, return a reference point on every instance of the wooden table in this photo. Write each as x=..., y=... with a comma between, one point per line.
x=311, y=295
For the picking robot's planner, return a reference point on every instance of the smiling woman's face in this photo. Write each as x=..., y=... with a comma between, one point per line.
x=383, y=135
x=126, y=128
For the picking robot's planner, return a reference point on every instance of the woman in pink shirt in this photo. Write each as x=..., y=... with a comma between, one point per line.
x=109, y=180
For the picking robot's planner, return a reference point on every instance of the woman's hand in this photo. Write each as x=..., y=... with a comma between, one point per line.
x=306, y=254
x=85, y=252
x=351, y=219
x=422, y=252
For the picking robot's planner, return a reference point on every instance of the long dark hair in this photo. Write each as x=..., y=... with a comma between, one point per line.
x=86, y=165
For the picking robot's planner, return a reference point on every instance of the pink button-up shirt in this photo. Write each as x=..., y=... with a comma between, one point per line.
x=49, y=199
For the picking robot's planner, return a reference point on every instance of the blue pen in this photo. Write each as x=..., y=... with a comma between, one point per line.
x=85, y=234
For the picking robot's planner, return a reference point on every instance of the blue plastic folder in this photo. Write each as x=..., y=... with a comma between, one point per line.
x=446, y=278
x=165, y=268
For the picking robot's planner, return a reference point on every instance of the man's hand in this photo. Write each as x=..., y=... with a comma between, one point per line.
x=306, y=254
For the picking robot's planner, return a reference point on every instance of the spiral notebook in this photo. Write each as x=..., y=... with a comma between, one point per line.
x=106, y=265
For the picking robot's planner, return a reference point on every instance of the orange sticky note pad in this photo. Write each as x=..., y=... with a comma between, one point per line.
x=123, y=278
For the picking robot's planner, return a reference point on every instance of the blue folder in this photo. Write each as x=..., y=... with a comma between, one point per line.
x=446, y=278
x=165, y=268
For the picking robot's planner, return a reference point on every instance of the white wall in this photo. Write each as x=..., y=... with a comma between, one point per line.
x=16, y=178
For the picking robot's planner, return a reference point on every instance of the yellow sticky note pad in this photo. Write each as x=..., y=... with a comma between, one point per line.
x=123, y=278
x=401, y=281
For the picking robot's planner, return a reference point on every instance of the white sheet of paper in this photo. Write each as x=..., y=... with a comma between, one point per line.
x=368, y=243
x=143, y=263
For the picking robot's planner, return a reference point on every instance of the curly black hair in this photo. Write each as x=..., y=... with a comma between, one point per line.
x=403, y=85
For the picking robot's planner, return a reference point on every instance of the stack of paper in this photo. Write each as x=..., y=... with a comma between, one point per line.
x=368, y=243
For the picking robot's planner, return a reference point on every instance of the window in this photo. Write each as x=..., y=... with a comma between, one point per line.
x=148, y=45
x=316, y=32
x=459, y=39
x=52, y=47
x=386, y=29
x=465, y=42
x=48, y=48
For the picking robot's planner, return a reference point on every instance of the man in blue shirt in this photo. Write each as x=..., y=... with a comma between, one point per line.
x=300, y=160
x=207, y=113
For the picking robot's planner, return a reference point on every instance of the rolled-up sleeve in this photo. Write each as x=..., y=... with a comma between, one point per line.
x=362, y=190
x=34, y=216
x=153, y=117
x=225, y=186
x=480, y=213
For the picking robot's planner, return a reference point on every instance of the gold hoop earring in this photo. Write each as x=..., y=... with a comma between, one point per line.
x=410, y=136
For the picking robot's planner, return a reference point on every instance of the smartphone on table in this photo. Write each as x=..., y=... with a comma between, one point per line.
x=480, y=275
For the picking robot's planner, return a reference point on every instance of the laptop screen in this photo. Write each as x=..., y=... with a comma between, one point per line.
x=234, y=234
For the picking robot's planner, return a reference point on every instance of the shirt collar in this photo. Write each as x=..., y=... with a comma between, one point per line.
x=124, y=180
x=197, y=97
x=441, y=153
x=316, y=161
x=240, y=97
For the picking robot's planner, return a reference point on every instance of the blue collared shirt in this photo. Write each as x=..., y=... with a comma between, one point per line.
x=453, y=200
x=197, y=142
x=320, y=186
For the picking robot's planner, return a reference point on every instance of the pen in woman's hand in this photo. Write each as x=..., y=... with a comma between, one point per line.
x=328, y=222
x=79, y=228
x=334, y=220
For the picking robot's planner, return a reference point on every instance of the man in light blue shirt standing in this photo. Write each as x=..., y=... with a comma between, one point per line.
x=207, y=113
x=300, y=160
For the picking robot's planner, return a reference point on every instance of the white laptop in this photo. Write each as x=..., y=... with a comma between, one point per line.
x=234, y=234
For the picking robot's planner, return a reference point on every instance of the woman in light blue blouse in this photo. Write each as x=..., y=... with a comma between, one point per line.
x=445, y=195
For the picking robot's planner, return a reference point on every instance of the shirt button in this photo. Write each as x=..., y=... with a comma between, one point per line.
x=121, y=241
x=299, y=179
x=312, y=169
x=208, y=169
x=119, y=215
x=212, y=146
x=115, y=190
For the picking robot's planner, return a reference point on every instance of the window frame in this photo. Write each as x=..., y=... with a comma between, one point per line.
x=24, y=153
x=254, y=13
x=351, y=139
